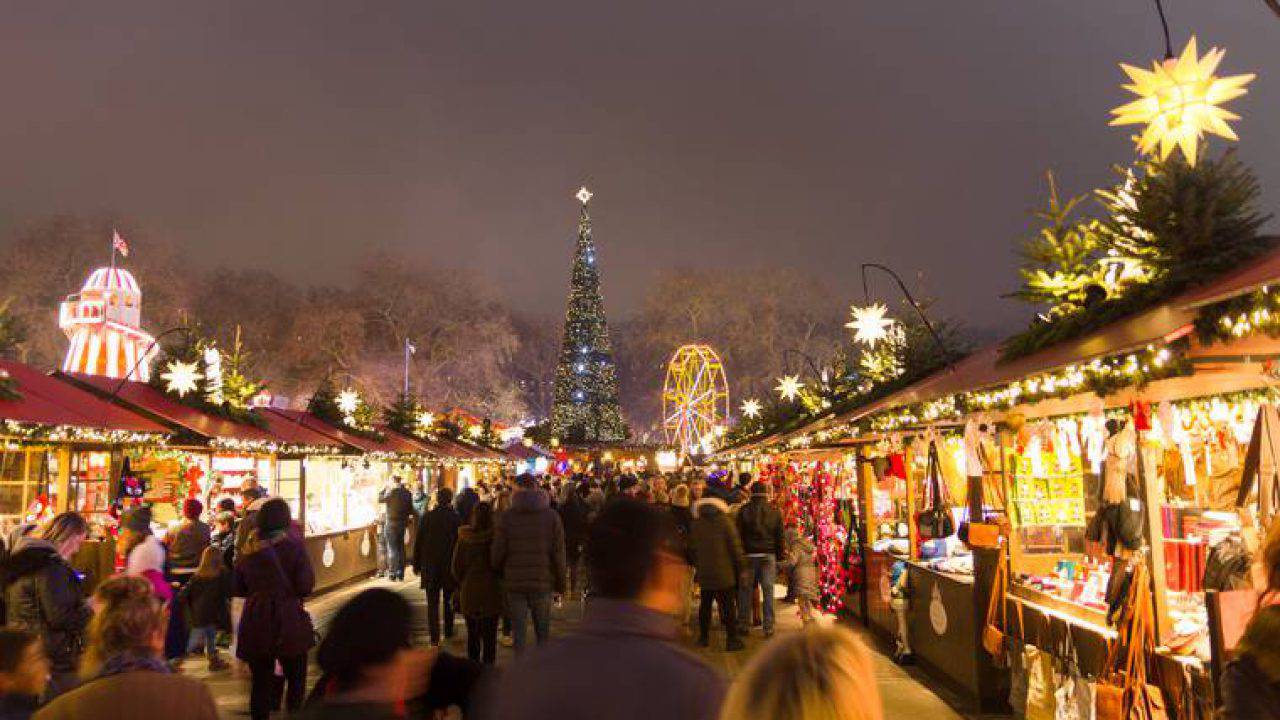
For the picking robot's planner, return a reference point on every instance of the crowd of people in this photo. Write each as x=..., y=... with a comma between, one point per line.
x=501, y=555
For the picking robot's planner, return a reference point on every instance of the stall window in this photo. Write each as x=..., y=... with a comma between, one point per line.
x=24, y=477
x=90, y=486
x=288, y=484
x=342, y=494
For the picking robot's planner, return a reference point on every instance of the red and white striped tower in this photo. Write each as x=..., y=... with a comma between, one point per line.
x=104, y=324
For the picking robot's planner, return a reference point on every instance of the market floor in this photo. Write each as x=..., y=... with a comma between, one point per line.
x=904, y=693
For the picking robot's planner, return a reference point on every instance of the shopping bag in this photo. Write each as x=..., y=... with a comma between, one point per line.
x=1074, y=694
x=1017, y=676
x=1041, y=702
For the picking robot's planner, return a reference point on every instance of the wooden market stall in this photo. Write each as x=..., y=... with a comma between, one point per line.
x=59, y=446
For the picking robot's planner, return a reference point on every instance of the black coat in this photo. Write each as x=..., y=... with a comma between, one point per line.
x=1247, y=692
x=206, y=602
x=714, y=547
x=399, y=502
x=274, y=579
x=760, y=527
x=433, y=545
x=576, y=516
x=43, y=595
x=528, y=545
x=479, y=588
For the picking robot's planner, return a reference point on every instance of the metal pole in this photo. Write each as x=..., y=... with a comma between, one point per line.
x=406, y=368
x=143, y=356
x=946, y=352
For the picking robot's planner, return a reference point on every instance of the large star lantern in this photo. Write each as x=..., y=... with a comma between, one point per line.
x=426, y=420
x=348, y=402
x=869, y=324
x=181, y=377
x=1179, y=101
x=751, y=408
x=789, y=387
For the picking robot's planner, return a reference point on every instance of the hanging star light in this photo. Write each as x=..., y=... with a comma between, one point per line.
x=869, y=324
x=789, y=387
x=584, y=195
x=475, y=431
x=181, y=377
x=751, y=408
x=348, y=402
x=1178, y=101
x=426, y=420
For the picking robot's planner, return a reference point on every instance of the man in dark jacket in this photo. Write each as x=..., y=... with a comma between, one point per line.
x=575, y=516
x=624, y=661
x=528, y=551
x=400, y=512
x=432, y=558
x=760, y=527
x=718, y=562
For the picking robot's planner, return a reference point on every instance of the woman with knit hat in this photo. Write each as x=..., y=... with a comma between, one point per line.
x=274, y=576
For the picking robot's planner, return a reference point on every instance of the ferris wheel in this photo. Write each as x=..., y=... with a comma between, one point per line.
x=695, y=399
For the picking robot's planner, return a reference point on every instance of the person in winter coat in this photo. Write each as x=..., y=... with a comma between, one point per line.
x=275, y=577
x=479, y=588
x=1251, y=680
x=143, y=552
x=528, y=552
x=184, y=548
x=718, y=561
x=466, y=501
x=224, y=537
x=680, y=512
x=624, y=661
x=575, y=515
x=804, y=571
x=205, y=603
x=125, y=675
x=432, y=553
x=44, y=596
x=371, y=671
x=24, y=673
x=400, y=512
x=764, y=543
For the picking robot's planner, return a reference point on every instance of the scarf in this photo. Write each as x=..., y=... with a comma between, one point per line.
x=129, y=662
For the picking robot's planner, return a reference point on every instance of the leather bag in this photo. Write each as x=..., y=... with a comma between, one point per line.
x=993, y=632
x=934, y=521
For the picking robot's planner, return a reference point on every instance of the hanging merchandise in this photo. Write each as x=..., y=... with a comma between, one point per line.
x=935, y=521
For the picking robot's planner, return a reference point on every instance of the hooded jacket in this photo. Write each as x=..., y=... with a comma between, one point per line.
x=43, y=595
x=528, y=546
x=715, y=549
x=479, y=591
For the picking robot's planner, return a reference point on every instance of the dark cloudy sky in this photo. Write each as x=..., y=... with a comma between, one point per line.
x=818, y=134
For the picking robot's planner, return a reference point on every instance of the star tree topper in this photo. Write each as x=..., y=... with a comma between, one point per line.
x=789, y=387
x=181, y=377
x=869, y=324
x=1178, y=101
x=584, y=195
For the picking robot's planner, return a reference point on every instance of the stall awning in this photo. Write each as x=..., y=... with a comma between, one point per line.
x=294, y=433
x=48, y=400
x=359, y=442
x=148, y=400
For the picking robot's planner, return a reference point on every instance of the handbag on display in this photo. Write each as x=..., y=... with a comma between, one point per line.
x=993, y=632
x=1123, y=693
x=934, y=521
x=1041, y=701
x=1074, y=695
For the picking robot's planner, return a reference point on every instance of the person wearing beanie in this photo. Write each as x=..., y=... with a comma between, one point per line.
x=144, y=554
x=185, y=546
x=275, y=576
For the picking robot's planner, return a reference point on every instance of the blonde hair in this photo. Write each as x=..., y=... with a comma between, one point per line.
x=128, y=619
x=210, y=563
x=815, y=674
x=680, y=496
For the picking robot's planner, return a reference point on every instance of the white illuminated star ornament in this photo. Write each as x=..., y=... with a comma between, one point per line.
x=348, y=402
x=869, y=324
x=1178, y=101
x=789, y=387
x=584, y=195
x=751, y=408
x=181, y=377
x=426, y=420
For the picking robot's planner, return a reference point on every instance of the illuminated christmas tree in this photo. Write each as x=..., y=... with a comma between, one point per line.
x=586, y=395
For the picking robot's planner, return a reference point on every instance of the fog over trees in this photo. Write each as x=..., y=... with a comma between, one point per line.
x=474, y=350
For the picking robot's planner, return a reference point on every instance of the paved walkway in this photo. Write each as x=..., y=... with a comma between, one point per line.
x=905, y=697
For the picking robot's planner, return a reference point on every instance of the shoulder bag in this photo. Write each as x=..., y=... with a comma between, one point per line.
x=934, y=521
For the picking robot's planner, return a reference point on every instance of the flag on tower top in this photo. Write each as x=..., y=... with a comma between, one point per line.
x=118, y=244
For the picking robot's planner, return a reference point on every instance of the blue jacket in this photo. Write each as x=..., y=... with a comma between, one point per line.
x=622, y=664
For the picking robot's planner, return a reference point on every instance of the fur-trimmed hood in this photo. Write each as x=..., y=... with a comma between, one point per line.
x=33, y=556
x=709, y=506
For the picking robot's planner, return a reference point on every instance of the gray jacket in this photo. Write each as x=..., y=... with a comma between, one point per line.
x=622, y=664
x=528, y=546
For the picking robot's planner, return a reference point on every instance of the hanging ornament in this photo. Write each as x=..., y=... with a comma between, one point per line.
x=751, y=408
x=1178, y=101
x=426, y=420
x=869, y=324
x=348, y=402
x=181, y=377
x=789, y=387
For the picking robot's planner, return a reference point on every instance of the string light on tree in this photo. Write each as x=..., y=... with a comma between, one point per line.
x=789, y=387
x=181, y=377
x=869, y=324
x=1179, y=101
x=751, y=408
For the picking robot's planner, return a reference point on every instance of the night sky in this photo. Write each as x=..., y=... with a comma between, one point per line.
x=821, y=134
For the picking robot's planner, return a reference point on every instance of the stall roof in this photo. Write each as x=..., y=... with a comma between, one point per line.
x=359, y=442
x=148, y=400
x=48, y=400
x=983, y=368
x=295, y=433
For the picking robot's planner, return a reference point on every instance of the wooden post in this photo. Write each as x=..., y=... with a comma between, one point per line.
x=63, y=483
x=865, y=486
x=1151, y=500
x=913, y=531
